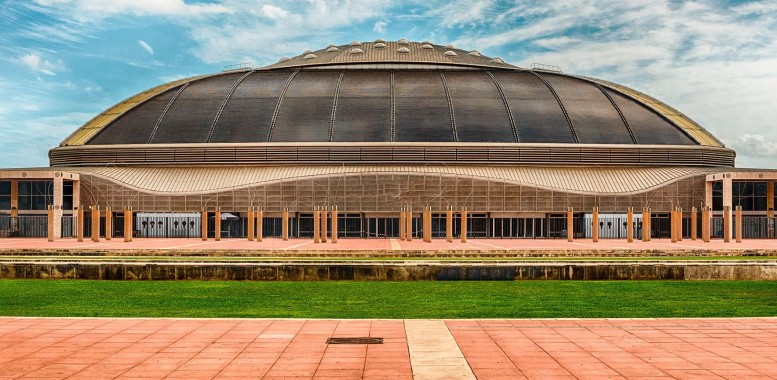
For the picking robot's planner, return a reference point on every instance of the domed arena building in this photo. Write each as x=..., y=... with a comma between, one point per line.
x=376, y=129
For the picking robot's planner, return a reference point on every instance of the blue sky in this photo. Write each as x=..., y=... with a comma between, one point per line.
x=64, y=61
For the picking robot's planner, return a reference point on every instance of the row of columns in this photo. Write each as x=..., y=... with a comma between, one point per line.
x=321, y=217
x=95, y=226
x=320, y=228
x=406, y=225
x=676, y=224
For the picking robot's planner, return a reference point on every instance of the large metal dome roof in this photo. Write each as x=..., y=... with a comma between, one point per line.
x=388, y=92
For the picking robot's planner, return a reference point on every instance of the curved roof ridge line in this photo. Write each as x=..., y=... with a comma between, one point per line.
x=450, y=107
x=393, y=107
x=686, y=125
x=164, y=112
x=278, y=104
x=516, y=135
x=334, y=105
x=623, y=117
x=558, y=99
x=224, y=104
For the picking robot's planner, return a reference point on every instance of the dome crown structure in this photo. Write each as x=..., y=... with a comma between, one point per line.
x=391, y=92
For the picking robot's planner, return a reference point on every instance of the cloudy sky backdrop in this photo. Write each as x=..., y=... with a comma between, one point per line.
x=64, y=61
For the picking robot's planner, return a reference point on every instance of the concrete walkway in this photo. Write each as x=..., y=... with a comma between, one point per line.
x=94, y=348
x=280, y=247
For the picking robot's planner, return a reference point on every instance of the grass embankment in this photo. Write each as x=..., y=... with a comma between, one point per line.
x=520, y=299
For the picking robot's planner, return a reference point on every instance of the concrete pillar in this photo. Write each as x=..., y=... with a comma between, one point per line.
x=728, y=193
x=334, y=225
x=95, y=223
x=402, y=220
x=204, y=225
x=50, y=232
x=76, y=193
x=595, y=225
x=217, y=224
x=449, y=225
x=285, y=224
x=427, y=224
x=80, y=224
x=14, y=198
x=409, y=224
x=705, y=224
x=679, y=224
x=630, y=224
x=128, y=224
x=739, y=224
x=464, y=225
x=259, y=225
x=570, y=224
x=694, y=227
x=770, y=199
x=645, y=224
x=58, y=204
x=726, y=224
x=673, y=225
x=251, y=224
x=323, y=224
x=708, y=194
x=316, y=226
x=108, y=223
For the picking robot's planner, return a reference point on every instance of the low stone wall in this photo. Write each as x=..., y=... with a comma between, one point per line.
x=368, y=271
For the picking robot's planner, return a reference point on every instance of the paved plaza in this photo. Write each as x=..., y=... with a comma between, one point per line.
x=86, y=348
x=390, y=245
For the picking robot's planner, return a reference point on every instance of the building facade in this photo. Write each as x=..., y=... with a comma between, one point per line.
x=376, y=128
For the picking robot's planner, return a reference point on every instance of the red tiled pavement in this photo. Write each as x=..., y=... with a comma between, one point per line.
x=388, y=244
x=198, y=349
x=620, y=348
x=58, y=348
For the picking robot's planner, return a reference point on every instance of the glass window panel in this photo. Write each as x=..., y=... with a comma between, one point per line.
x=24, y=188
x=5, y=188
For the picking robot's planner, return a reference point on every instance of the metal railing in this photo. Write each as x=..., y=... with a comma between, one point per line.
x=238, y=66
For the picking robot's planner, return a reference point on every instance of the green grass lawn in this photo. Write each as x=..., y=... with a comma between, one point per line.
x=519, y=299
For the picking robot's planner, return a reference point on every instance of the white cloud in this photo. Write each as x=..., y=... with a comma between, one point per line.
x=146, y=47
x=102, y=8
x=36, y=63
x=244, y=37
x=273, y=12
x=462, y=12
x=380, y=27
x=756, y=148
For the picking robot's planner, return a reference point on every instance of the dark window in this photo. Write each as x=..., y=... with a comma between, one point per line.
x=67, y=195
x=35, y=195
x=717, y=195
x=750, y=195
x=5, y=195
